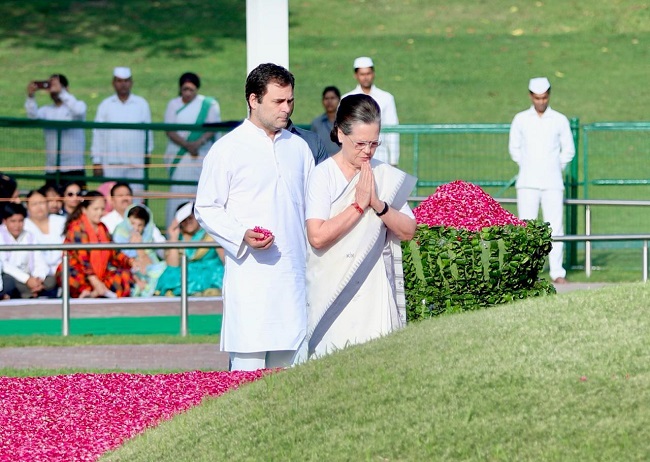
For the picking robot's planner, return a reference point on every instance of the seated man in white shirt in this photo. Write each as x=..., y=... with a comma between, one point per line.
x=28, y=270
x=120, y=199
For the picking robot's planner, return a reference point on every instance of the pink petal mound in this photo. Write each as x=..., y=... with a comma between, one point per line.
x=463, y=205
x=81, y=416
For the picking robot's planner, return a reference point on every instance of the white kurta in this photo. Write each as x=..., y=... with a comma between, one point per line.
x=542, y=147
x=189, y=167
x=21, y=265
x=54, y=236
x=73, y=140
x=121, y=152
x=250, y=180
x=112, y=219
x=389, y=150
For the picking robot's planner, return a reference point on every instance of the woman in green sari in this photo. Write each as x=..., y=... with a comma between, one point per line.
x=204, y=265
x=186, y=149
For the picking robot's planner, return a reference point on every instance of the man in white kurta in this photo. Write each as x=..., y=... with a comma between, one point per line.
x=68, y=156
x=542, y=145
x=257, y=175
x=364, y=73
x=120, y=153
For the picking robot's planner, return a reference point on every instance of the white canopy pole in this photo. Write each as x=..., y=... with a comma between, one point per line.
x=267, y=33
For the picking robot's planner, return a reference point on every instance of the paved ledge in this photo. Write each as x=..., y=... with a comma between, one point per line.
x=188, y=357
x=573, y=286
x=105, y=308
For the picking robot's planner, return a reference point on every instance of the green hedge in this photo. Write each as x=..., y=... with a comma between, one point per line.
x=447, y=270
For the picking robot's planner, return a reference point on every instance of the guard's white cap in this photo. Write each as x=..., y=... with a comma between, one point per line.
x=184, y=212
x=539, y=85
x=122, y=72
x=363, y=61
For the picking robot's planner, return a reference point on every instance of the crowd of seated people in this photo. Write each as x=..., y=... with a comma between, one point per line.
x=71, y=215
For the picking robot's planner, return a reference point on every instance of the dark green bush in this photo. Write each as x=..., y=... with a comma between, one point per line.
x=447, y=270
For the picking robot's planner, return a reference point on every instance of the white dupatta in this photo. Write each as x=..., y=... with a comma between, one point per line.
x=335, y=274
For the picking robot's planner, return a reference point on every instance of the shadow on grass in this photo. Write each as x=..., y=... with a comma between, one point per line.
x=181, y=29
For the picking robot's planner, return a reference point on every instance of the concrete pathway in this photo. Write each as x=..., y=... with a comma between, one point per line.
x=189, y=357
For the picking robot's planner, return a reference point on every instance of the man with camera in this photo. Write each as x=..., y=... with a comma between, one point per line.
x=68, y=155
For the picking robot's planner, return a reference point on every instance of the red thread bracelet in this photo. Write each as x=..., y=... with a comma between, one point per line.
x=357, y=207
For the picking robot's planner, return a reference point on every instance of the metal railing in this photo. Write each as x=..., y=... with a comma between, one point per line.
x=65, y=273
x=587, y=238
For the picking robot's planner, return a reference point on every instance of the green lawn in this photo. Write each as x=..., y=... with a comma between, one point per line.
x=202, y=324
x=445, y=62
x=555, y=378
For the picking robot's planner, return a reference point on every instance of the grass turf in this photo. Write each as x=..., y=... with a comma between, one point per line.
x=444, y=62
x=556, y=378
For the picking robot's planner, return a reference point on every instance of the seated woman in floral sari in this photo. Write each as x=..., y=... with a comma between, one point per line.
x=94, y=273
x=138, y=226
x=204, y=266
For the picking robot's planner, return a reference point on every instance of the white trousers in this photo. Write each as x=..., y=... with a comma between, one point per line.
x=267, y=359
x=551, y=200
x=261, y=360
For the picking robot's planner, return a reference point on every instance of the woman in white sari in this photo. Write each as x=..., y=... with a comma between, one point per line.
x=357, y=214
x=186, y=149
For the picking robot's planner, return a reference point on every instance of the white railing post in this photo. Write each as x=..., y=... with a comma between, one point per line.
x=184, y=310
x=65, y=296
x=588, y=243
x=645, y=261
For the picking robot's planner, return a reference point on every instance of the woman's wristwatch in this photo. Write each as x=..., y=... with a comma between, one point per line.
x=383, y=212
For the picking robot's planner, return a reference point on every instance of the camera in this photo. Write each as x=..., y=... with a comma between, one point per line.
x=42, y=83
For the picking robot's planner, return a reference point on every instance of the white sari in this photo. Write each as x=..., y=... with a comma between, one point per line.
x=182, y=165
x=355, y=288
